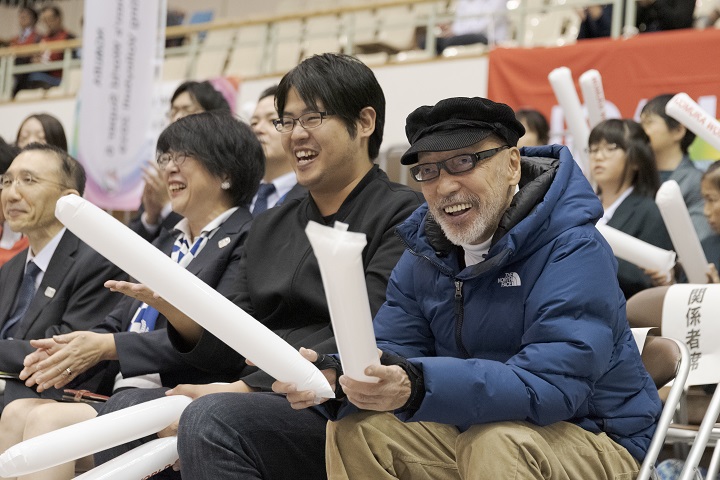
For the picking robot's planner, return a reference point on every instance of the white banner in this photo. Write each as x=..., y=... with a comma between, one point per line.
x=118, y=121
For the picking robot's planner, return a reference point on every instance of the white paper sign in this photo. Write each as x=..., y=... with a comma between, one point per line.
x=691, y=314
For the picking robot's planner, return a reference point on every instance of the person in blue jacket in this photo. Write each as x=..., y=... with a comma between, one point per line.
x=505, y=349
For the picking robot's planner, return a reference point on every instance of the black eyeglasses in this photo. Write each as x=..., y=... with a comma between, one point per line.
x=164, y=159
x=454, y=166
x=307, y=121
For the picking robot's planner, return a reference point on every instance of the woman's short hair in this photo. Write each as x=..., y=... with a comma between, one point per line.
x=54, y=131
x=630, y=136
x=224, y=145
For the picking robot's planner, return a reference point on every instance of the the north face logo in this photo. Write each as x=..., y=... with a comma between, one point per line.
x=511, y=279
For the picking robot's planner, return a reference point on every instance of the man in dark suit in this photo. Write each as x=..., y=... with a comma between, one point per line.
x=56, y=285
x=279, y=182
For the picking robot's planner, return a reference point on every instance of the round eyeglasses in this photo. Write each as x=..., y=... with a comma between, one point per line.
x=177, y=158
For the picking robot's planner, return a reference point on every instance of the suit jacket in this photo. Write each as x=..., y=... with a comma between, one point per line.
x=688, y=177
x=640, y=217
x=151, y=352
x=167, y=225
x=71, y=297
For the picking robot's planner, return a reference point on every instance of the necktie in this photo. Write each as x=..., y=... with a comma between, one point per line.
x=261, y=202
x=182, y=253
x=24, y=297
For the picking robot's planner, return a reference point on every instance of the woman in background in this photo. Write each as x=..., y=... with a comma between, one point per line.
x=623, y=167
x=537, y=130
x=41, y=128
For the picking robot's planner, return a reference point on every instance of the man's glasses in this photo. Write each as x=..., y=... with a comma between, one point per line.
x=164, y=159
x=454, y=165
x=24, y=180
x=307, y=121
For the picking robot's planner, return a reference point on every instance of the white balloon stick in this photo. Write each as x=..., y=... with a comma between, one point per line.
x=141, y=462
x=594, y=96
x=683, y=109
x=339, y=254
x=675, y=214
x=85, y=438
x=564, y=89
x=637, y=252
x=190, y=295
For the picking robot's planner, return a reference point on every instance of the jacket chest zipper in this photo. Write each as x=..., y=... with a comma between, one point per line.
x=459, y=314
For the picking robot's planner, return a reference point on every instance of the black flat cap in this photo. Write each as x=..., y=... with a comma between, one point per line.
x=456, y=123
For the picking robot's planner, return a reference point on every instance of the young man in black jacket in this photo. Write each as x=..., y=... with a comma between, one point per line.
x=332, y=114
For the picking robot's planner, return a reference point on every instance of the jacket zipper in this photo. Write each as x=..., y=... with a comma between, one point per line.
x=459, y=307
x=459, y=317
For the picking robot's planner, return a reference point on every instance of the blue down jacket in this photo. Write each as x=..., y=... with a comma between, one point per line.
x=537, y=332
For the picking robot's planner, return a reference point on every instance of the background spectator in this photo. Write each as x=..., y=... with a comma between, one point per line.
x=537, y=130
x=41, y=128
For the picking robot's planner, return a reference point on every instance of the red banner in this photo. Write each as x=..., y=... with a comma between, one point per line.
x=633, y=70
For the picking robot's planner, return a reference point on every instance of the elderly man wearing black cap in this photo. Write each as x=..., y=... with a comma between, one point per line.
x=506, y=352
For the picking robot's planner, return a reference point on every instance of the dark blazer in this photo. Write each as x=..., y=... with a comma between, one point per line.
x=295, y=193
x=640, y=217
x=166, y=225
x=151, y=352
x=76, y=274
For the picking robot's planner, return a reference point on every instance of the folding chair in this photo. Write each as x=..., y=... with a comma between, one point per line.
x=684, y=311
x=665, y=359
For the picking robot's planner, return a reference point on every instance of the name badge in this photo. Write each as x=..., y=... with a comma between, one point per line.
x=224, y=242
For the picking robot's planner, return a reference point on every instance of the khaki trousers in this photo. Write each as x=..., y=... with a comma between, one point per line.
x=378, y=446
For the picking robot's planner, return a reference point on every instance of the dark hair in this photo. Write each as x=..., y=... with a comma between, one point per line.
x=54, y=131
x=536, y=122
x=56, y=11
x=344, y=85
x=268, y=92
x=72, y=170
x=630, y=136
x=7, y=155
x=33, y=13
x=204, y=94
x=656, y=106
x=712, y=174
x=223, y=145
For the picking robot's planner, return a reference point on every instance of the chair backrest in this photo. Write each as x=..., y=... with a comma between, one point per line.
x=661, y=357
x=665, y=359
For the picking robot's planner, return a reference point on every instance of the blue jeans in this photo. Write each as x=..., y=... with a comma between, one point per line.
x=250, y=436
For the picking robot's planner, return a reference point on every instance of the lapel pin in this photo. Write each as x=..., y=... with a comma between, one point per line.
x=224, y=242
x=49, y=292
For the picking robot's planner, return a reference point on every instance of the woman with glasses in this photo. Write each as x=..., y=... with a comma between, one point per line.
x=623, y=167
x=212, y=164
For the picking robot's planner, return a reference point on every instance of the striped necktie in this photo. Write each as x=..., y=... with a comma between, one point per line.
x=182, y=253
